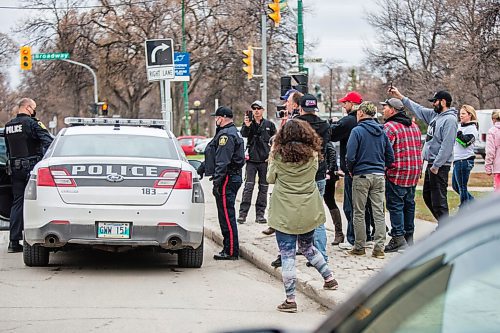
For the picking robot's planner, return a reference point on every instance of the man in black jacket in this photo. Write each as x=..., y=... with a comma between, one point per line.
x=340, y=131
x=258, y=131
x=308, y=108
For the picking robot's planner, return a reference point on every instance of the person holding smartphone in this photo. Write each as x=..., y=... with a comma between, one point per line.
x=258, y=131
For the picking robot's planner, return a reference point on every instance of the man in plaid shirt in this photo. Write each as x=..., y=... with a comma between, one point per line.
x=402, y=176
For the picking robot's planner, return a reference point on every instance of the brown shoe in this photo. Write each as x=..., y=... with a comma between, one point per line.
x=378, y=253
x=357, y=252
x=287, y=307
x=331, y=285
x=268, y=231
x=338, y=239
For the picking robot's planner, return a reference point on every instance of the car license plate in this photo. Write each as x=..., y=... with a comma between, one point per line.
x=113, y=230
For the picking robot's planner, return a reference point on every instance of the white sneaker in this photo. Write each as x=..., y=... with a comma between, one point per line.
x=345, y=246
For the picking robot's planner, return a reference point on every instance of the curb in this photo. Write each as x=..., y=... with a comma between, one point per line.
x=305, y=283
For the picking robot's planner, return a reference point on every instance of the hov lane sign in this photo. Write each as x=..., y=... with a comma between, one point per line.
x=159, y=59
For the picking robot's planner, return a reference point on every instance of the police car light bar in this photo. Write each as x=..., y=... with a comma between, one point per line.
x=115, y=121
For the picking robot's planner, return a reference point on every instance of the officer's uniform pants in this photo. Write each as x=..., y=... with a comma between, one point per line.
x=19, y=180
x=227, y=215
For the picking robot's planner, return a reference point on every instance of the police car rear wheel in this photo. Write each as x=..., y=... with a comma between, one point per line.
x=35, y=255
x=191, y=258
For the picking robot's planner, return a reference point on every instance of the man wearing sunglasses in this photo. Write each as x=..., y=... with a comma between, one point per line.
x=26, y=140
x=258, y=132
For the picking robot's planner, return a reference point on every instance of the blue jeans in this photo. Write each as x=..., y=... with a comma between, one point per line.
x=400, y=202
x=320, y=232
x=461, y=173
x=287, y=245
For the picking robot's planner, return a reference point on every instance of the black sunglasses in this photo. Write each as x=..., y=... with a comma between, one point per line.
x=256, y=108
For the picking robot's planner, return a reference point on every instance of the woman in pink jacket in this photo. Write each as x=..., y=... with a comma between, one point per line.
x=492, y=160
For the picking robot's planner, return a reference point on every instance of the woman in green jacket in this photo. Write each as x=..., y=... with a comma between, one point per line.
x=296, y=207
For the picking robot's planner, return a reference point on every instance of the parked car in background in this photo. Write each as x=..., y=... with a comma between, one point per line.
x=447, y=283
x=189, y=142
x=485, y=123
x=202, y=144
x=5, y=186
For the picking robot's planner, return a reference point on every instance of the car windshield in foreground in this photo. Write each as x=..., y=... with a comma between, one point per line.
x=453, y=289
x=115, y=145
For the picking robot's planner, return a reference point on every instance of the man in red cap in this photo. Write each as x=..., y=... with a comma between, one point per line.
x=340, y=131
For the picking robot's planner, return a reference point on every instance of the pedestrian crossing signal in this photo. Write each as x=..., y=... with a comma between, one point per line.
x=25, y=54
x=248, y=60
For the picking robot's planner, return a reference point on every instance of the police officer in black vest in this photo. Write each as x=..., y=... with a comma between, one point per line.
x=224, y=159
x=26, y=140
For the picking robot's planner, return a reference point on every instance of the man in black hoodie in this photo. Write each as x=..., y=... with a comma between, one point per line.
x=340, y=131
x=308, y=107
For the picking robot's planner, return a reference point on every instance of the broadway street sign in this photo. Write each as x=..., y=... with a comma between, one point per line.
x=50, y=56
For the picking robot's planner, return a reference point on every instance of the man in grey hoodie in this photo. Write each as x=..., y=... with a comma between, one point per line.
x=438, y=147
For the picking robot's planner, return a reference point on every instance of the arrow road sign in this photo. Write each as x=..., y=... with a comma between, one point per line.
x=159, y=59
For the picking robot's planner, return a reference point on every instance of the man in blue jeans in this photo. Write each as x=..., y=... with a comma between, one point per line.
x=402, y=176
x=308, y=108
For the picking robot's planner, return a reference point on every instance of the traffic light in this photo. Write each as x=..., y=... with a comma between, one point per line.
x=276, y=14
x=25, y=54
x=248, y=60
x=104, y=109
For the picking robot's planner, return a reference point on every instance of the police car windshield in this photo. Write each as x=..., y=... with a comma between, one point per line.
x=115, y=145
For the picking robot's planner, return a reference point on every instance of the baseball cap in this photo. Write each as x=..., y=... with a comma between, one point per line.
x=257, y=103
x=223, y=111
x=394, y=103
x=309, y=103
x=287, y=94
x=442, y=94
x=353, y=97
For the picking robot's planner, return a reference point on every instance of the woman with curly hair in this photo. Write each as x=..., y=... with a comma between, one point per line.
x=296, y=207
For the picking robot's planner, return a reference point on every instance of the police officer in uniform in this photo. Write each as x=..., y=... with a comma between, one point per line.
x=224, y=159
x=26, y=140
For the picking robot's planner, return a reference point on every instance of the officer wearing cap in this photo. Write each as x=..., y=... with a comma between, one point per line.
x=224, y=159
x=438, y=147
x=259, y=132
x=26, y=140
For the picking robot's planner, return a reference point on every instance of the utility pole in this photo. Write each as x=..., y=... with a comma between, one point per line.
x=264, y=62
x=96, y=98
x=185, y=84
x=300, y=37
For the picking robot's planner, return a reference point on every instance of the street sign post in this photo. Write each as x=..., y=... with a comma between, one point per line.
x=51, y=56
x=159, y=59
x=181, y=60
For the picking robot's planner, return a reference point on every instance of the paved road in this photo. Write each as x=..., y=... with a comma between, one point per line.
x=142, y=292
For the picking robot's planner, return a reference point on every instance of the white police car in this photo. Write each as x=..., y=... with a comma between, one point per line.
x=114, y=184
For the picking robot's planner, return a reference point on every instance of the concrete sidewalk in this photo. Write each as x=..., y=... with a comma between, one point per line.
x=261, y=250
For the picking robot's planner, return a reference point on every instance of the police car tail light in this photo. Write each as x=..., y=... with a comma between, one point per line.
x=45, y=178
x=62, y=177
x=168, y=179
x=185, y=181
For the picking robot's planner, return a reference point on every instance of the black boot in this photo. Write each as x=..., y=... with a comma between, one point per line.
x=409, y=239
x=337, y=223
x=277, y=262
x=14, y=247
x=396, y=243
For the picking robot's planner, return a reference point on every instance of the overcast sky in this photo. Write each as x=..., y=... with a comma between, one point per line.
x=336, y=28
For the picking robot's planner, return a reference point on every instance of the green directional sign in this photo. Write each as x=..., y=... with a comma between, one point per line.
x=50, y=56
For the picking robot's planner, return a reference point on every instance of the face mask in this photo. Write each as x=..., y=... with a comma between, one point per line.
x=33, y=115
